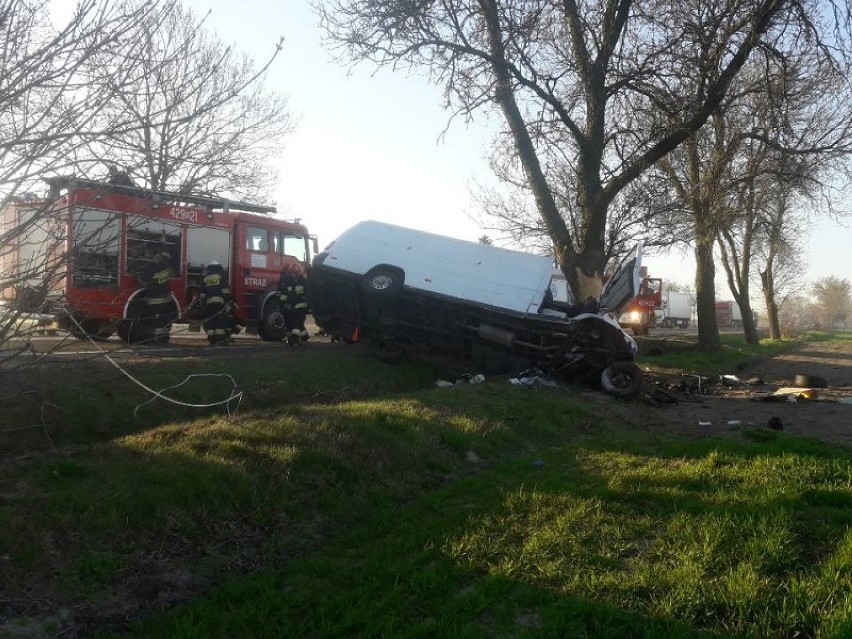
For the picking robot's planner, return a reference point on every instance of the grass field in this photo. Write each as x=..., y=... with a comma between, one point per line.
x=348, y=499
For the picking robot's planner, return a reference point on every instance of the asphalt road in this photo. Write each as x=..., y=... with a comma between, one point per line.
x=182, y=343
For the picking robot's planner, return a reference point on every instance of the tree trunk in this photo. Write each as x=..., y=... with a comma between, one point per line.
x=772, y=316
x=584, y=273
x=705, y=294
x=768, y=283
x=749, y=329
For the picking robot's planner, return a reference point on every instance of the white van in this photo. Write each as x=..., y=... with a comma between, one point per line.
x=400, y=288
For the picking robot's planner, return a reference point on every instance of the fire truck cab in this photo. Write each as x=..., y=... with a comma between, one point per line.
x=111, y=233
x=639, y=316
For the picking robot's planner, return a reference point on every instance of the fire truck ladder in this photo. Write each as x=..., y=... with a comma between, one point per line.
x=224, y=204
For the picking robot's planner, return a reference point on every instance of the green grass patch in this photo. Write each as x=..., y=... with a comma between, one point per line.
x=347, y=498
x=682, y=355
x=600, y=540
x=833, y=337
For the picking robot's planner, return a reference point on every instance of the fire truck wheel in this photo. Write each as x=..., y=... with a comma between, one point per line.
x=622, y=379
x=272, y=327
x=92, y=329
x=135, y=330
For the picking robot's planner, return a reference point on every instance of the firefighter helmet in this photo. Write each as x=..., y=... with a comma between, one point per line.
x=214, y=263
x=164, y=256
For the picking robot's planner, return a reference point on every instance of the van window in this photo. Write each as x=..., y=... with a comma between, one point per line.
x=559, y=290
x=257, y=239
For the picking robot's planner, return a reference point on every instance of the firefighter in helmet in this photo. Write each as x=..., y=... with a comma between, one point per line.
x=216, y=297
x=293, y=292
x=159, y=307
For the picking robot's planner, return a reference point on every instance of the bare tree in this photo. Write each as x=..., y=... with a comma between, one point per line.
x=197, y=117
x=780, y=252
x=796, y=313
x=643, y=211
x=585, y=77
x=48, y=111
x=796, y=145
x=834, y=300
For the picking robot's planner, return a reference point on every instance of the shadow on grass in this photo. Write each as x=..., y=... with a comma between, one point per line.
x=608, y=537
x=90, y=402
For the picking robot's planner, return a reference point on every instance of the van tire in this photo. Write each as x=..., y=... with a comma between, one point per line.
x=383, y=282
x=622, y=379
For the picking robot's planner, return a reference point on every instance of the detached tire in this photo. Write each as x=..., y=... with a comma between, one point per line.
x=383, y=282
x=621, y=379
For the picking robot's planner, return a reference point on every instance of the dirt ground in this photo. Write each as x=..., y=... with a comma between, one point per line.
x=712, y=408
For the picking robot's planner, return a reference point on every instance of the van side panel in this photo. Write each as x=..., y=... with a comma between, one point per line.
x=445, y=266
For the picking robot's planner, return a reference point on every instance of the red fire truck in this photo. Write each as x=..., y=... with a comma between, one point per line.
x=639, y=314
x=111, y=233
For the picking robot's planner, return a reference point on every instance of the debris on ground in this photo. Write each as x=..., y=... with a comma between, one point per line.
x=775, y=423
x=790, y=394
x=467, y=378
x=534, y=377
x=730, y=380
x=810, y=381
x=472, y=458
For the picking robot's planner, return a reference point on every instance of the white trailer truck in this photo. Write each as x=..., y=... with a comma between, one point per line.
x=676, y=309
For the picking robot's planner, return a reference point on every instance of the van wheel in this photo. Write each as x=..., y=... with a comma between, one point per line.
x=383, y=282
x=389, y=351
x=272, y=326
x=622, y=379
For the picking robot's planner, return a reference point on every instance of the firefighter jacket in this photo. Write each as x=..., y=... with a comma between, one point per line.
x=293, y=292
x=156, y=279
x=215, y=289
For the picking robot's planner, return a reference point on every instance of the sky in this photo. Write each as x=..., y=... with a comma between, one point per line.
x=372, y=144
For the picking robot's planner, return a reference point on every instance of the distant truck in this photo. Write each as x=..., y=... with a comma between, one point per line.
x=729, y=315
x=675, y=310
x=640, y=314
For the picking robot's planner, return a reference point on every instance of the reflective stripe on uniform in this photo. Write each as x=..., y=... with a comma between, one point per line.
x=163, y=276
x=215, y=300
x=159, y=300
